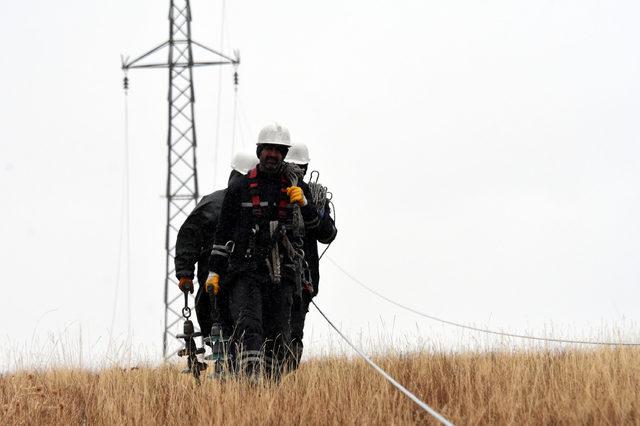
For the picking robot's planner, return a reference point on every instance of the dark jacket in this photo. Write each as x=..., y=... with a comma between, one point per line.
x=238, y=219
x=196, y=235
x=325, y=233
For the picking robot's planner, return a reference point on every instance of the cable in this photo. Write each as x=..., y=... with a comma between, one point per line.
x=235, y=111
x=123, y=210
x=127, y=179
x=333, y=210
x=217, y=142
x=468, y=327
x=386, y=375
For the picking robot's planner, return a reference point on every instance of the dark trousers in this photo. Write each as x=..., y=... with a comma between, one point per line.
x=261, y=313
x=206, y=312
x=299, y=312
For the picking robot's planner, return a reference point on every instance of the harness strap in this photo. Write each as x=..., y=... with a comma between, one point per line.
x=256, y=203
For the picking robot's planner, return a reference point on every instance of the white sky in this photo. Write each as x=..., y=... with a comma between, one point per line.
x=484, y=159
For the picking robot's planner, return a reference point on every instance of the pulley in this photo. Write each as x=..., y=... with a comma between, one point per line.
x=190, y=350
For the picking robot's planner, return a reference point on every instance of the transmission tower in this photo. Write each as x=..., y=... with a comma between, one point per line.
x=182, y=172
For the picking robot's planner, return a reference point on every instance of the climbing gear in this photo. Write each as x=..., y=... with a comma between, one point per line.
x=219, y=344
x=274, y=134
x=191, y=350
x=298, y=154
x=307, y=281
x=274, y=261
x=186, y=285
x=251, y=245
x=257, y=204
x=296, y=254
x=289, y=224
x=296, y=196
x=213, y=283
x=217, y=339
x=319, y=193
x=242, y=162
x=223, y=250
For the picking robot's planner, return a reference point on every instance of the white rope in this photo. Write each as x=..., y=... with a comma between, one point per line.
x=468, y=327
x=127, y=179
x=217, y=141
x=235, y=116
x=125, y=237
x=386, y=375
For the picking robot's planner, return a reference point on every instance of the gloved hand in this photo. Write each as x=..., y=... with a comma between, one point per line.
x=186, y=284
x=213, y=283
x=296, y=195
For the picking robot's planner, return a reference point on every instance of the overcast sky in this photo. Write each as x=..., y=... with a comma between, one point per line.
x=484, y=160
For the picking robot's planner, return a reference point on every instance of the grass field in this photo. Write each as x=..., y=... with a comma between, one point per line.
x=533, y=387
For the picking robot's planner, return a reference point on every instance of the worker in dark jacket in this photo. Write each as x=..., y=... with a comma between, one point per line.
x=195, y=241
x=325, y=233
x=263, y=218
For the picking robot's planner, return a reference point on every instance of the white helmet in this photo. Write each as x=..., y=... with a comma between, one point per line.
x=274, y=134
x=242, y=162
x=298, y=154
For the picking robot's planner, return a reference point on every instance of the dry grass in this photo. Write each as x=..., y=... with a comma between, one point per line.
x=544, y=387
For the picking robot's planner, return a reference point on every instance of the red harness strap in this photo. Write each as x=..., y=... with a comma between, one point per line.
x=283, y=213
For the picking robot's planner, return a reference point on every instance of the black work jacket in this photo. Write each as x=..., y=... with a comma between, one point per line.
x=196, y=235
x=325, y=233
x=238, y=219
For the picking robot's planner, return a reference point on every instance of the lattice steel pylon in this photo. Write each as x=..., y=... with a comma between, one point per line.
x=182, y=173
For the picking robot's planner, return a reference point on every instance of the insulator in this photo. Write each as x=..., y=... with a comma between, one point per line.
x=188, y=327
x=125, y=83
x=235, y=78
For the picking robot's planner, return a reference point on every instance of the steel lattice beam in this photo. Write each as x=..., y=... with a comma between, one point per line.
x=182, y=172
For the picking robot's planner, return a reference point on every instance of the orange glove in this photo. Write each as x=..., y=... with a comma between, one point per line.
x=296, y=196
x=186, y=284
x=213, y=283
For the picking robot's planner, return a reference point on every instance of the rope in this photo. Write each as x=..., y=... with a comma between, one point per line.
x=124, y=224
x=386, y=375
x=235, y=112
x=127, y=169
x=217, y=142
x=333, y=209
x=468, y=327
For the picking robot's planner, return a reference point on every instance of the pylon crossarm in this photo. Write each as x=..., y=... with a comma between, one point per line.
x=126, y=64
x=233, y=61
x=179, y=64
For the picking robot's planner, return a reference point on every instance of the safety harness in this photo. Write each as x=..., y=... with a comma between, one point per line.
x=258, y=204
x=277, y=231
x=289, y=219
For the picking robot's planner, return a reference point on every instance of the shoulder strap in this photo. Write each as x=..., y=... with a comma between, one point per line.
x=254, y=193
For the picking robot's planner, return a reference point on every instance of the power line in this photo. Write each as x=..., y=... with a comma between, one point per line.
x=127, y=179
x=124, y=212
x=217, y=142
x=235, y=112
x=386, y=375
x=468, y=327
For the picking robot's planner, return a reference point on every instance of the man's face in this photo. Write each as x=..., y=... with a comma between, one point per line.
x=270, y=158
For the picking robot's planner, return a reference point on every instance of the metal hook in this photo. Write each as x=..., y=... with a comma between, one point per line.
x=314, y=175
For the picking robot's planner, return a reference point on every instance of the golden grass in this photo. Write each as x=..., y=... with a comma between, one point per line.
x=543, y=387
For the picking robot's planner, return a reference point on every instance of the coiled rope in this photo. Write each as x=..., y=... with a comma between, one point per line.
x=468, y=327
x=386, y=375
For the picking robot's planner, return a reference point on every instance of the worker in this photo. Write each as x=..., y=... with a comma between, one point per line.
x=325, y=233
x=263, y=217
x=194, y=244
